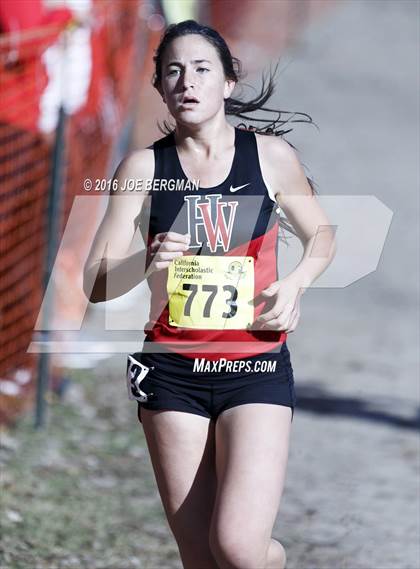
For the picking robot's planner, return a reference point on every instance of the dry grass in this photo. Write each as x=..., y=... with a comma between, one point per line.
x=81, y=493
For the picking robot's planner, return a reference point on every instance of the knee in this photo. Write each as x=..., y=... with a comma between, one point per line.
x=238, y=552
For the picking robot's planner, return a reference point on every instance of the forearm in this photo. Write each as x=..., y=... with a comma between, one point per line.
x=110, y=278
x=319, y=251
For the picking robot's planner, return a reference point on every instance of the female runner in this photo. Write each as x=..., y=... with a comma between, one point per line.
x=214, y=381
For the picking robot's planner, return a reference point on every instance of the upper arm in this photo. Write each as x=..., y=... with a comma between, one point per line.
x=284, y=173
x=116, y=230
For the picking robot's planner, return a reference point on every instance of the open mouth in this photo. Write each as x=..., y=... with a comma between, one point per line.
x=189, y=101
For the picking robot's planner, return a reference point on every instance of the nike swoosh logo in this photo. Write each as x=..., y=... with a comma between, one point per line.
x=232, y=189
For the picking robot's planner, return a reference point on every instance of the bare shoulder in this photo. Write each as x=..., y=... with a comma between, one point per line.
x=138, y=165
x=127, y=193
x=274, y=145
x=281, y=167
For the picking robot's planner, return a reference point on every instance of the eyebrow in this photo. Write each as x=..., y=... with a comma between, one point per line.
x=192, y=61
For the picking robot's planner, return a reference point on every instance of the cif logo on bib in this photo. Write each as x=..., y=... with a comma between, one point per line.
x=212, y=217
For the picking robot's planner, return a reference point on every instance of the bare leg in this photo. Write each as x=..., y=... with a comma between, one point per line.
x=252, y=444
x=181, y=447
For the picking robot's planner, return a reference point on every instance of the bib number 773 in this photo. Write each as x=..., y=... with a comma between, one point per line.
x=212, y=289
x=210, y=292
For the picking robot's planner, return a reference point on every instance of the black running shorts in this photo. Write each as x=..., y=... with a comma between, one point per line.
x=203, y=387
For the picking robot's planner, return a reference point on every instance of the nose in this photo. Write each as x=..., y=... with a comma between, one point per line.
x=187, y=79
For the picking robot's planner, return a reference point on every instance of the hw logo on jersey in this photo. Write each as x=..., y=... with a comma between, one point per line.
x=212, y=216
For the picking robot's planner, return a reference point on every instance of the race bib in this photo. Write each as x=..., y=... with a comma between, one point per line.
x=212, y=293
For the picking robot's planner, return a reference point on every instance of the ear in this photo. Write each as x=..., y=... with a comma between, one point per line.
x=229, y=87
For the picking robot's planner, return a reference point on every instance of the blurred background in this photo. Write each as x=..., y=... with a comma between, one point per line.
x=75, y=97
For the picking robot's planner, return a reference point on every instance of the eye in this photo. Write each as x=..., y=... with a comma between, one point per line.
x=172, y=71
x=202, y=69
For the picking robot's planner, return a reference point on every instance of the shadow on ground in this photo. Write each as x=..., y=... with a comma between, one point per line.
x=317, y=400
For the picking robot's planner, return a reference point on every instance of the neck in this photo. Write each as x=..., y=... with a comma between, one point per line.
x=206, y=140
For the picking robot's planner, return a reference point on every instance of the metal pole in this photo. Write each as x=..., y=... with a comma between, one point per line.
x=53, y=227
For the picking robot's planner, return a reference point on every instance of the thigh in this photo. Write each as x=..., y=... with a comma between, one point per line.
x=182, y=451
x=252, y=445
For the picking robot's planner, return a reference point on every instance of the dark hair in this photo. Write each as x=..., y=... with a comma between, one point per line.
x=233, y=70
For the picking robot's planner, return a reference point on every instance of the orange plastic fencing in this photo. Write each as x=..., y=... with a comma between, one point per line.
x=25, y=169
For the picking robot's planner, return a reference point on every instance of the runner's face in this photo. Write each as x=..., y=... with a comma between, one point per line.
x=191, y=68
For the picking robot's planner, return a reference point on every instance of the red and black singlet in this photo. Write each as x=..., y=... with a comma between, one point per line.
x=201, y=306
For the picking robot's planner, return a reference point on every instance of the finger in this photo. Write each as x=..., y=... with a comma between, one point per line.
x=161, y=265
x=268, y=316
x=277, y=311
x=275, y=325
x=270, y=290
x=168, y=246
x=155, y=245
x=294, y=322
x=164, y=242
x=167, y=255
x=173, y=236
x=172, y=246
x=283, y=320
x=274, y=312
